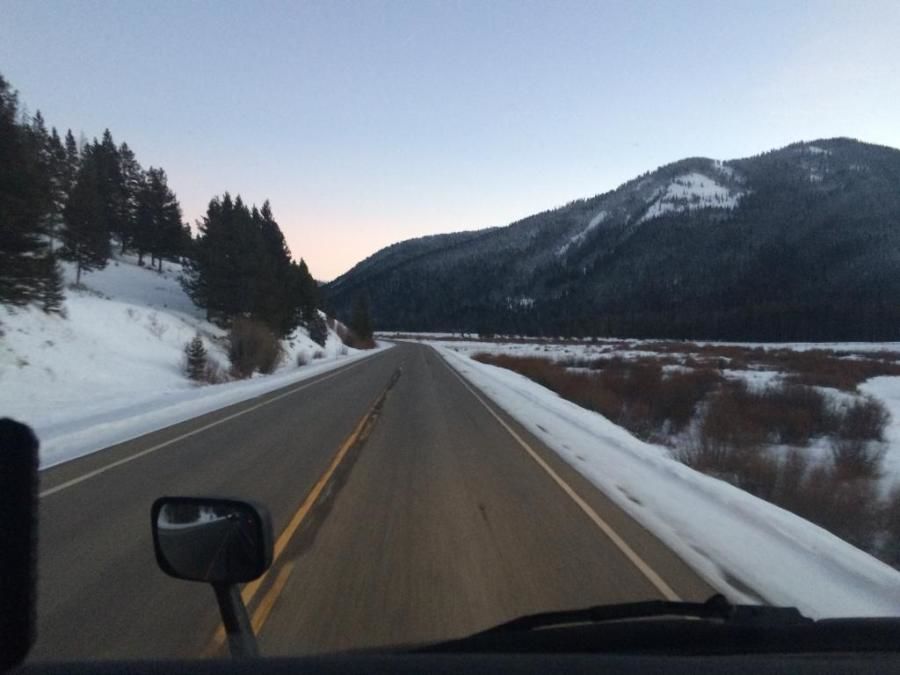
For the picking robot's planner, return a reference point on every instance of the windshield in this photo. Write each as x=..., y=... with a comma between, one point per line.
x=497, y=308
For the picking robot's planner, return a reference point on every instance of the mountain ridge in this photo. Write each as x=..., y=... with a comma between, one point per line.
x=625, y=262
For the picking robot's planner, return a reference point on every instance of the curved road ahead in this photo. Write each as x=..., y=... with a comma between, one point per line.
x=406, y=508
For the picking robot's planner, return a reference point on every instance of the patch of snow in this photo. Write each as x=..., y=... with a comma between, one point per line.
x=579, y=238
x=689, y=192
x=522, y=302
x=724, y=533
x=816, y=150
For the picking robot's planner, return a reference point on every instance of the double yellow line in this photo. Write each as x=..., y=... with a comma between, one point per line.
x=249, y=591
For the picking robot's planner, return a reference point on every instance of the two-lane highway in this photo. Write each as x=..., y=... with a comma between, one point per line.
x=406, y=509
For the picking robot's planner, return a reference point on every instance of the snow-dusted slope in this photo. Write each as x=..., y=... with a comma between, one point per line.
x=112, y=368
x=688, y=192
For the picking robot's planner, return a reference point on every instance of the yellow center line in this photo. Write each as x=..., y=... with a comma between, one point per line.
x=250, y=590
x=268, y=600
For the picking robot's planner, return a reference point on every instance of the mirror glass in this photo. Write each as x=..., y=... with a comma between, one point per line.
x=213, y=540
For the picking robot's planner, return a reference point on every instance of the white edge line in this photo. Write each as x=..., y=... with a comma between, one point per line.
x=194, y=432
x=613, y=536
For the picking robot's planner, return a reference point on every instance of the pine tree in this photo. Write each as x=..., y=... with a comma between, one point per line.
x=22, y=206
x=158, y=227
x=58, y=187
x=132, y=176
x=86, y=235
x=195, y=358
x=72, y=163
x=318, y=330
x=111, y=187
x=52, y=293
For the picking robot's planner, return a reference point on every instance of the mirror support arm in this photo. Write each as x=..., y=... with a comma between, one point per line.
x=241, y=640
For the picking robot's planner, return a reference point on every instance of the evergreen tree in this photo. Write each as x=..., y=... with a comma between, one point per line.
x=209, y=277
x=318, y=330
x=22, y=207
x=132, y=176
x=111, y=187
x=159, y=230
x=72, y=163
x=195, y=358
x=52, y=295
x=58, y=187
x=86, y=235
x=40, y=150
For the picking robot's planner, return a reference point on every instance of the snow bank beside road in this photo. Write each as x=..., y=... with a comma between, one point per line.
x=82, y=435
x=112, y=369
x=734, y=540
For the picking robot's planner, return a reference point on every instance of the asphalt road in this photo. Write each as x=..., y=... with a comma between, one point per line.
x=406, y=508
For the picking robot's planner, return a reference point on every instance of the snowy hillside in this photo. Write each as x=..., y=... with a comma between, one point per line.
x=112, y=367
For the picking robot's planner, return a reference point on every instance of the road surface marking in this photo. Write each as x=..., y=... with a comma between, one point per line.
x=268, y=602
x=249, y=591
x=613, y=536
x=199, y=430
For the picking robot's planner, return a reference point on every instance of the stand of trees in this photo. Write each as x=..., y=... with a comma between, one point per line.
x=28, y=211
x=59, y=201
x=74, y=201
x=241, y=267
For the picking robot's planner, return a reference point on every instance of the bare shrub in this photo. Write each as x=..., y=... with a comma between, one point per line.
x=848, y=508
x=726, y=421
x=865, y=419
x=782, y=413
x=213, y=374
x=812, y=367
x=351, y=339
x=855, y=458
x=302, y=359
x=830, y=369
x=634, y=394
x=252, y=347
x=318, y=354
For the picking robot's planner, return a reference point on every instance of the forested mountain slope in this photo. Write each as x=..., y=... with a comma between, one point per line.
x=798, y=243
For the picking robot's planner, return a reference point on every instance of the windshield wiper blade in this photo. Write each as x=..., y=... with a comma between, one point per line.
x=717, y=607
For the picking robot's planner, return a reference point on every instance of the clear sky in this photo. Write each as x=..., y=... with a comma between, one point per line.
x=370, y=122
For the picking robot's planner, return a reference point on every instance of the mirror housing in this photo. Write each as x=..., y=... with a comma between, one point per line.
x=213, y=540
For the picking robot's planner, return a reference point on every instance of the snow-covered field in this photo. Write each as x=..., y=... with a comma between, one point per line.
x=735, y=540
x=112, y=368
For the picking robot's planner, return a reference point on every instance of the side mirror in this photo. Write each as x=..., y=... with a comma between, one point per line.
x=222, y=542
x=219, y=541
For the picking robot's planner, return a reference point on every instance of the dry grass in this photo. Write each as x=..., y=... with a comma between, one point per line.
x=351, y=339
x=814, y=367
x=634, y=394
